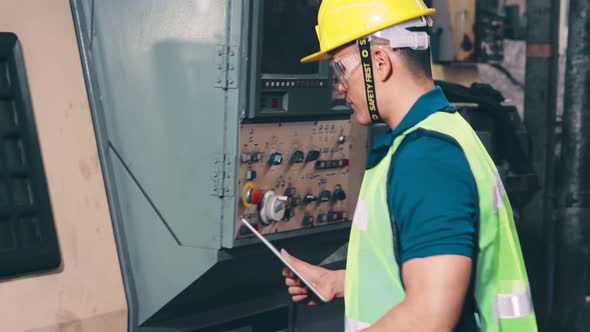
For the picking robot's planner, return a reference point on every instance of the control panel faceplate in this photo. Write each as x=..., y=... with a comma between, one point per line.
x=295, y=175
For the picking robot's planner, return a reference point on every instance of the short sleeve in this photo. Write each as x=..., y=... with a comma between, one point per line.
x=432, y=198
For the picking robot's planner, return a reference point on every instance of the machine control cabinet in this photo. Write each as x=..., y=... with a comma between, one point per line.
x=204, y=114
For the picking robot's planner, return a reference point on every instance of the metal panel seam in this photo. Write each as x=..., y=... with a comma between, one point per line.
x=98, y=120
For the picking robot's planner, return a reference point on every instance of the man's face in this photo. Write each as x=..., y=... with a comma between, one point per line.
x=346, y=65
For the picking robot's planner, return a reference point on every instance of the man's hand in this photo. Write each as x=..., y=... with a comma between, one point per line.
x=435, y=293
x=329, y=283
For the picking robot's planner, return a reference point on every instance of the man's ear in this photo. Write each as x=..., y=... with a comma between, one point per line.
x=382, y=65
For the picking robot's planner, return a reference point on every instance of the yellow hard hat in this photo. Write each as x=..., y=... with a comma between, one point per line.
x=343, y=21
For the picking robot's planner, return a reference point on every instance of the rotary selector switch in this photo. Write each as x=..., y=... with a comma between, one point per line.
x=272, y=207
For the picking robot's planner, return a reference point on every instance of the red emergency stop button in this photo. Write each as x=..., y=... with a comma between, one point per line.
x=251, y=194
x=254, y=196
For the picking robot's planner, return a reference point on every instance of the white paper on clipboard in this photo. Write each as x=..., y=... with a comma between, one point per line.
x=274, y=250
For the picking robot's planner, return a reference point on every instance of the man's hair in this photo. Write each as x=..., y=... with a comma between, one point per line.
x=418, y=61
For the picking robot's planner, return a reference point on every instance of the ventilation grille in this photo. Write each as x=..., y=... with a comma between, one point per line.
x=28, y=241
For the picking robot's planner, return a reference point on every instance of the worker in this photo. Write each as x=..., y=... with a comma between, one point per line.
x=433, y=246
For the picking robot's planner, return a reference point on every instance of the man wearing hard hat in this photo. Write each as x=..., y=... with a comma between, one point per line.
x=433, y=246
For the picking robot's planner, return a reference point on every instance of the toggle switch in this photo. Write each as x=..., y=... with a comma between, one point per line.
x=276, y=158
x=250, y=175
x=246, y=157
x=312, y=155
x=325, y=196
x=290, y=191
x=336, y=215
x=309, y=198
x=295, y=201
x=244, y=230
x=289, y=213
x=297, y=157
x=339, y=194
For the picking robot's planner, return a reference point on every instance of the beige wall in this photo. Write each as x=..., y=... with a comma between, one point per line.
x=87, y=293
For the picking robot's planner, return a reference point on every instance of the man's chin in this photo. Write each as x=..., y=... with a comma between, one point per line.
x=363, y=120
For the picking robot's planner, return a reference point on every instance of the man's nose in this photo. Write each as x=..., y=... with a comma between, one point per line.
x=342, y=88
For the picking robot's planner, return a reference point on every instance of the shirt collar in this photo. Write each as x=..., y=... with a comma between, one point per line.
x=428, y=104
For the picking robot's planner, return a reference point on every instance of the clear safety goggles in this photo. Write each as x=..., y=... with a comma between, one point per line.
x=397, y=36
x=344, y=66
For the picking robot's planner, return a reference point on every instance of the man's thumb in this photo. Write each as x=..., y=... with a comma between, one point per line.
x=292, y=260
x=286, y=255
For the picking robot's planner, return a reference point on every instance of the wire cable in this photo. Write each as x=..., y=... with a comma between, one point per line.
x=508, y=74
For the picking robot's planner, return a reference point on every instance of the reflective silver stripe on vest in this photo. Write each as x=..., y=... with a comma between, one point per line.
x=498, y=193
x=516, y=305
x=351, y=325
x=361, y=215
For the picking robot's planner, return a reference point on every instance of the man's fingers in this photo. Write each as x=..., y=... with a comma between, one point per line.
x=297, y=290
x=287, y=273
x=299, y=298
x=292, y=282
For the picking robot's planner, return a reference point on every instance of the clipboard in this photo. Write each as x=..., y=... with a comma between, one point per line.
x=314, y=292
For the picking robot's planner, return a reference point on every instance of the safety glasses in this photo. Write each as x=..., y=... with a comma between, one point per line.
x=344, y=66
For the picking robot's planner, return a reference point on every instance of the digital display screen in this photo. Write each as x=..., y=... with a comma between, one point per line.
x=289, y=35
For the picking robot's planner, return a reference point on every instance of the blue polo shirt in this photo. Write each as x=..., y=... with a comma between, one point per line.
x=432, y=194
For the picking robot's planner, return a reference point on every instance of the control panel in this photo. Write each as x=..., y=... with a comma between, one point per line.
x=295, y=175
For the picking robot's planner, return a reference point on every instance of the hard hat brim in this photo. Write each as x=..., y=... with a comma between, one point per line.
x=318, y=56
x=325, y=54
